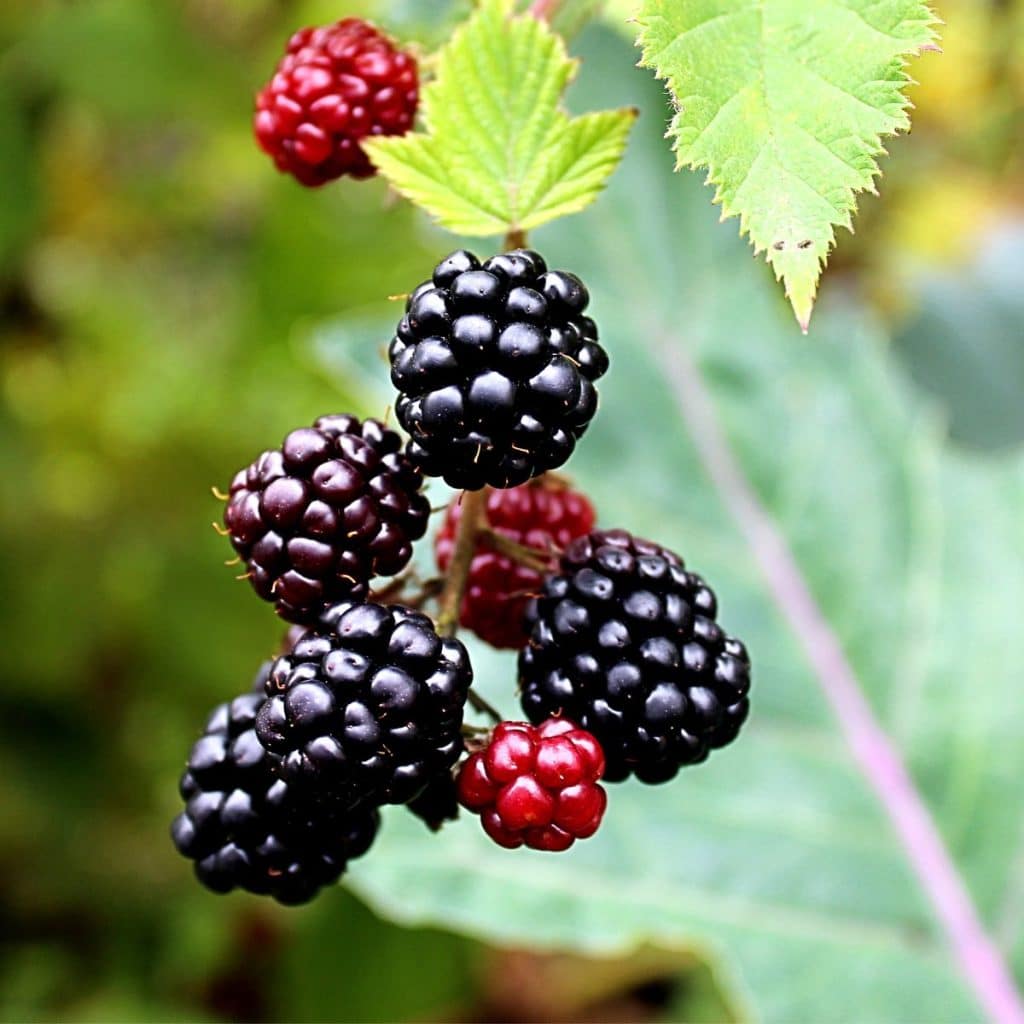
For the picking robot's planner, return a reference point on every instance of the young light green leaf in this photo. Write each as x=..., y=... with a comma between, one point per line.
x=498, y=154
x=785, y=103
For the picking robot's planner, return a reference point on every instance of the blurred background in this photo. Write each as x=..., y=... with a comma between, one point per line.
x=170, y=305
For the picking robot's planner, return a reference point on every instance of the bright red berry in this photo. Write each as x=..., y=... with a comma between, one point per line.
x=541, y=515
x=536, y=785
x=334, y=86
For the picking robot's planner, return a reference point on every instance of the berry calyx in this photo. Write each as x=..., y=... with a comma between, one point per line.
x=317, y=519
x=536, y=785
x=245, y=828
x=542, y=515
x=624, y=641
x=495, y=364
x=334, y=86
x=367, y=707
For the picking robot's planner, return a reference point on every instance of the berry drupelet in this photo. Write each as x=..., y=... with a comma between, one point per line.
x=543, y=515
x=367, y=707
x=624, y=641
x=536, y=785
x=438, y=803
x=495, y=365
x=244, y=827
x=335, y=506
x=334, y=86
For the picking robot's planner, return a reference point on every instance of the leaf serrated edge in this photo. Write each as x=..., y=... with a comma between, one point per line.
x=801, y=297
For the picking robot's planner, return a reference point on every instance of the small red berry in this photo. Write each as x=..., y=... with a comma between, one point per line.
x=539, y=515
x=335, y=86
x=536, y=785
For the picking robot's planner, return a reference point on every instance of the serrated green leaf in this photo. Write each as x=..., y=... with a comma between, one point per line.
x=785, y=103
x=498, y=154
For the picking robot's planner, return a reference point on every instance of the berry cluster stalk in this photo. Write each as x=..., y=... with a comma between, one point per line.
x=471, y=522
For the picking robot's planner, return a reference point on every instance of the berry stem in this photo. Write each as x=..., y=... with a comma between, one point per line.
x=471, y=522
x=483, y=706
x=515, y=239
x=532, y=558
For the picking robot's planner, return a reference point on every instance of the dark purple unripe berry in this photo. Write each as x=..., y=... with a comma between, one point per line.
x=335, y=506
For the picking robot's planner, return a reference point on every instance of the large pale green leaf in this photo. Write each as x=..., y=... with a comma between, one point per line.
x=963, y=342
x=785, y=103
x=497, y=154
x=776, y=859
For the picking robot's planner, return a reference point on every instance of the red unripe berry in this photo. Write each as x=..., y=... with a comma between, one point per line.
x=536, y=785
x=334, y=86
x=541, y=515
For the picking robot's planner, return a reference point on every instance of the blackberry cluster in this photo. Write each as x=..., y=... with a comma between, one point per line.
x=367, y=708
x=624, y=641
x=541, y=515
x=245, y=828
x=495, y=365
x=623, y=669
x=334, y=86
x=536, y=786
x=317, y=519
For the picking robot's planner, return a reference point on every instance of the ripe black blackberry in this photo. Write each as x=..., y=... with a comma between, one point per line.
x=245, y=828
x=496, y=367
x=624, y=642
x=438, y=803
x=366, y=708
x=315, y=520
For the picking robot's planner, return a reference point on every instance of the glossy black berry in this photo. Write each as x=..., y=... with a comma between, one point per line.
x=438, y=803
x=317, y=519
x=624, y=642
x=367, y=707
x=245, y=828
x=495, y=365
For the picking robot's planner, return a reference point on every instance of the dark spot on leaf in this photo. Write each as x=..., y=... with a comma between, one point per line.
x=805, y=244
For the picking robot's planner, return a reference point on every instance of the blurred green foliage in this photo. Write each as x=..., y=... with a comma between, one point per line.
x=158, y=284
